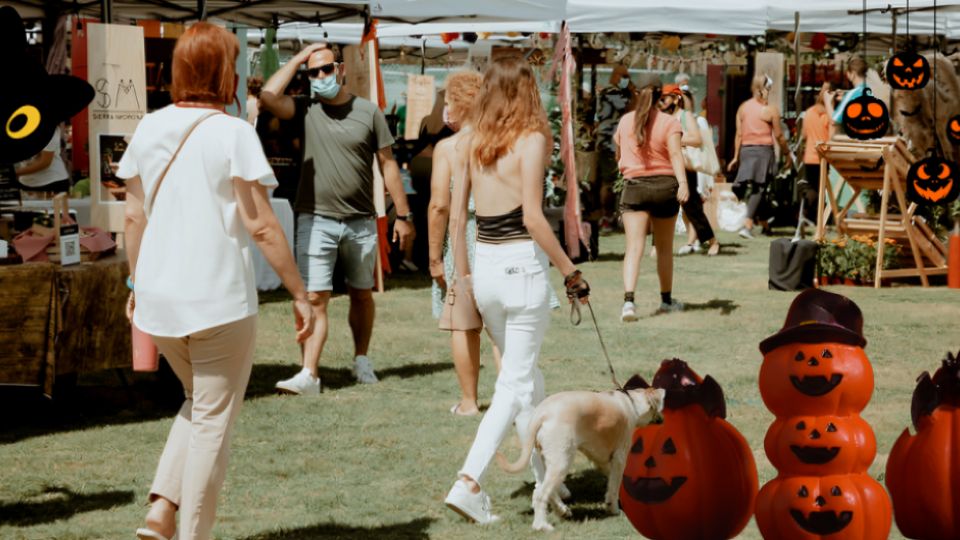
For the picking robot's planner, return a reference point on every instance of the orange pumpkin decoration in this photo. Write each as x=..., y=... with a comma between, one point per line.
x=692, y=477
x=820, y=445
x=933, y=180
x=816, y=379
x=866, y=117
x=953, y=129
x=922, y=473
x=840, y=507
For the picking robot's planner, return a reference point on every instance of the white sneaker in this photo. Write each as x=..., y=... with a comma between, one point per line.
x=689, y=248
x=745, y=233
x=408, y=266
x=303, y=383
x=473, y=506
x=363, y=370
x=629, y=312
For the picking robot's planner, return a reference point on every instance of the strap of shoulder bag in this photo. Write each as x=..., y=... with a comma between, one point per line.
x=458, y=204
x=186, y=136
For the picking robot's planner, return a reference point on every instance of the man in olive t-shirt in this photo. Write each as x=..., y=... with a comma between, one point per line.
x=336, y=217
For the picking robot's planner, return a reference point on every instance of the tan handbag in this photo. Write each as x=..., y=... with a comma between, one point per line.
x=460, y=308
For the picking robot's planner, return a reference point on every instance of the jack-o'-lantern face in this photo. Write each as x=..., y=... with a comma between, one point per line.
x=662, y=481
x=816, y=379
x=953, y=129
x=821, y=509
x=841, y=506
x=908, y=71
x=932, y=181
x=865, y=117
x=818, y=445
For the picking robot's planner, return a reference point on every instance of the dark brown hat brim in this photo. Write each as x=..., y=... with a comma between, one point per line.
x=812, y=333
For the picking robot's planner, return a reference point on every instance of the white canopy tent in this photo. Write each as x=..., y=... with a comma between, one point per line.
x=727, y=17
x=731, y=17
x=414, y=17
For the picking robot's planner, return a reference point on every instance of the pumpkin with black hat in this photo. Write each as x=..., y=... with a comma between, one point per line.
x=816, y=379
x=816, y=364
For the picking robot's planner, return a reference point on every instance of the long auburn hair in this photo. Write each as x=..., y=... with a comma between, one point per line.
x=510, y=107
x=647, y=100
x=203, y=65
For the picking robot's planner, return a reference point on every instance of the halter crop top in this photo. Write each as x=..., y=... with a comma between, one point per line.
x=503, y=228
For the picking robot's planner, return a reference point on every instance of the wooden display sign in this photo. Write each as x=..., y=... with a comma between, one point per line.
x=421, y=94
x=116, y=68
x=771, y=64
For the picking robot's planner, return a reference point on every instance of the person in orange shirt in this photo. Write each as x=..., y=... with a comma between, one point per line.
x=817, y=128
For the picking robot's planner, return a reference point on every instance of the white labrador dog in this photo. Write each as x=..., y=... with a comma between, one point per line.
x=599, y=424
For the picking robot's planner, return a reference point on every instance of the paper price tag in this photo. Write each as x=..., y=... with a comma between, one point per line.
x=69, y=245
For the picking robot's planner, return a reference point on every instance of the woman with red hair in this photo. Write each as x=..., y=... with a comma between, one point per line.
x=505, y=160
x=198, y=178
x=461, y=101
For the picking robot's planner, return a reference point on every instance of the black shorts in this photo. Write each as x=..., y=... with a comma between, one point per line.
x=811, y=173
x=656, y=195
x=61, y=186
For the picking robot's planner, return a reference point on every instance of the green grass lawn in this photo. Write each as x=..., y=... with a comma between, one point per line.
x=376, y=461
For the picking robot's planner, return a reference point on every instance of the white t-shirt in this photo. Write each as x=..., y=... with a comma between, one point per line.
x=57, y=170
x=194, y=270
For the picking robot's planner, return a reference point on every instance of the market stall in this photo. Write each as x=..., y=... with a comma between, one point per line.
x=60, y=320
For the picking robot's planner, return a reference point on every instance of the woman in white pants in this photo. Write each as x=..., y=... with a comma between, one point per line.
x=515, y=245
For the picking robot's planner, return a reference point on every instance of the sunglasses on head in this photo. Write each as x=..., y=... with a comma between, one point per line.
x=327, y=69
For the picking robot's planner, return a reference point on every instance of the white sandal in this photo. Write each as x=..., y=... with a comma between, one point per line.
x=455, y=410
x=150, y=534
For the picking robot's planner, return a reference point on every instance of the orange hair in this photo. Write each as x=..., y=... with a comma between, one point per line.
x=204, y=61
x=463, y=93
x=510, y=107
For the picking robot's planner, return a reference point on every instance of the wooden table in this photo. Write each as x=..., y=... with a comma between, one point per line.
x=879, y=164
x=58, y=320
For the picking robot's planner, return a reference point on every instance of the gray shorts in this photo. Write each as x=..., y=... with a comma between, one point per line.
x=322, y=240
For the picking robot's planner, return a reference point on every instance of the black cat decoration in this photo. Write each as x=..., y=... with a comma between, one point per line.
x=32, y=103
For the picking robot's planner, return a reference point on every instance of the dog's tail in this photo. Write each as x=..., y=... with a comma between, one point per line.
x=525, y=453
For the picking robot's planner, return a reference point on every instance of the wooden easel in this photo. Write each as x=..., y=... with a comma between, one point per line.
x=880, y=164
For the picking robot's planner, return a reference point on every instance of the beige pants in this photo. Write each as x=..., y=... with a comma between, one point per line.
x=214, y=367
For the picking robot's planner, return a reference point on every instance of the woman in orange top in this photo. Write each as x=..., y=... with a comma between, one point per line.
x=758, y=124
x=649, y=156
x=817, y=126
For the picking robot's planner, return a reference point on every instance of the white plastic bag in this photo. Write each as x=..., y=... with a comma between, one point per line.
x=730, y=211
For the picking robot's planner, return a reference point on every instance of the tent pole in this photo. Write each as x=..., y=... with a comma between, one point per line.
x=893, y=32
x=797, y=95
x=202, y=9
x=106, y=11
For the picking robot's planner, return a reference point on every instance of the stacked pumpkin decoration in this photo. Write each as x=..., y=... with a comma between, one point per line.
x=922, y=472
x=816, y=379
x=692, y=477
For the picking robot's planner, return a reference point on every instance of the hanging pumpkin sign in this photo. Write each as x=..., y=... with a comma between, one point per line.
x=953, y=129
x=907, y=70
x=866, y=117
x=922, y=475
x=933, y=180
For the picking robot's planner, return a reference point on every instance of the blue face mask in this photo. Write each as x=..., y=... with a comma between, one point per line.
x=326, y=88
x=624, y=82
